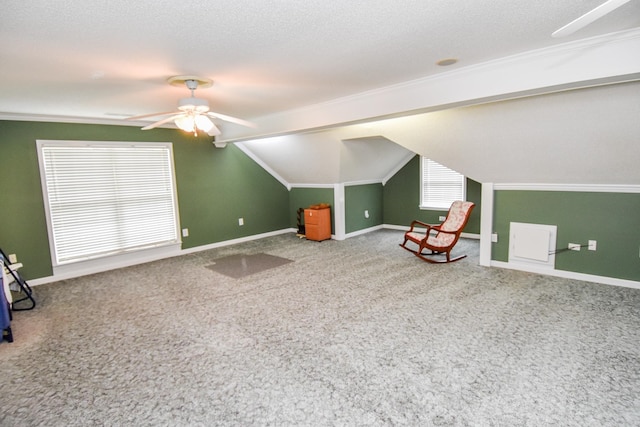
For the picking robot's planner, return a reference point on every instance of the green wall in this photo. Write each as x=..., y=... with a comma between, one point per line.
x=401, y=196
x=303, y=197
x=218, y=186
x=215, y=187
x=359, y=198
x=612, y=219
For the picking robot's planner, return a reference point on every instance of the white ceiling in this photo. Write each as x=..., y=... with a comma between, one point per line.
x=106, y=60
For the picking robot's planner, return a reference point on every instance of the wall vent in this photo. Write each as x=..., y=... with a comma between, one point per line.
x=532, y=244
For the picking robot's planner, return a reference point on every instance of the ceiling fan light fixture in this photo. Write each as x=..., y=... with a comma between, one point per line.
x=193, y=113
x=203, y=123
x=186, y=123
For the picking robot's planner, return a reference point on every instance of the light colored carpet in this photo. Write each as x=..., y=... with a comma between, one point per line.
x=352, y=333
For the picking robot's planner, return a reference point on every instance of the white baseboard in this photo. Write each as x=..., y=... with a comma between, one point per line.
x=133, y=259
x=569, y=275
x=363, y=231
x=236, y=241
x=499, y=264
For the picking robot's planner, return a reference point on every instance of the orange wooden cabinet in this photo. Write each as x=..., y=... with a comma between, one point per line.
x=317, y=224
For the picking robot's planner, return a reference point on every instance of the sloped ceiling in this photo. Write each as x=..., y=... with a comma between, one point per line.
x=583, y=136
x=322, y=158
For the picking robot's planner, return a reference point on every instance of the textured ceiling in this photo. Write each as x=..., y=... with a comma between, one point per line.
x=110, y=59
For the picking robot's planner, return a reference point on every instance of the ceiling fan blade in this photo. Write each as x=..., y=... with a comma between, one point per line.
x=144, y=116
x=214, y=131
x=161, y=122
x=589, y=17
x=231, y=119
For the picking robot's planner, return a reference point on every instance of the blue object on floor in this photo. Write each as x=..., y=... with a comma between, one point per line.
x=5, y=315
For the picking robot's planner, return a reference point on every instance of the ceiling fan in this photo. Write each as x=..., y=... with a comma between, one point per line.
x=589, y=17
x=193, y=113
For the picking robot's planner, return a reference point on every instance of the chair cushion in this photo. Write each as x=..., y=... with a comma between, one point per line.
x=441, y=240
x=416, y=237
x=457, y=215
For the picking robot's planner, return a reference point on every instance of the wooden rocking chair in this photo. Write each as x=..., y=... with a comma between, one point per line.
x=440, y=238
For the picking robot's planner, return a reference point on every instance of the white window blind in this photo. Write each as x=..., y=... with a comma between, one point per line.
x=440, y=185
x=107, y=198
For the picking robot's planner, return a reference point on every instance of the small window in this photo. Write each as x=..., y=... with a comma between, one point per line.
x=108, y=198
x=439, y=185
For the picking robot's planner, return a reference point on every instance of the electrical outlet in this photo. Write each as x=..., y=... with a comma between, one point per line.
x=366, y=214
x=240, y=221
x=13, y=258
x=442, y=218
x=592, y=245
x=185, y=232
x=574, y=246
x=494, y=237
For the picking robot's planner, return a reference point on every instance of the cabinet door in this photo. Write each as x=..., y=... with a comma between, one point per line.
x=312, y=232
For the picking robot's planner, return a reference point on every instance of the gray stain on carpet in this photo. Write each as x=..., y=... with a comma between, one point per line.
x=241, y=265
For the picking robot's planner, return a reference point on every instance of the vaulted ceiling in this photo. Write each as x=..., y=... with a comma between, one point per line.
x=313, y=75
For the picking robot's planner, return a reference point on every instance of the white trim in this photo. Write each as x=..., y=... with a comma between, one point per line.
x=470, y=236
x=400, y=165
x=363, y=231
x=582, y=63
x=425, y=208
x=262, y=164
x=593, y=188
x=236, y=241
x=339, y=212
x=98, y=265
x=312, y=185
x=20, y=117
x=486, y=223
x=569, y=275
x=41, y=144
x=364, y=182
x=148, y=256
x=576, y=64
x=498, y=264
x=395, y=227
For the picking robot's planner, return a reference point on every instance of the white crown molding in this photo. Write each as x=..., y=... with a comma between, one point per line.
x=596, y=61
x=400, y=165
x=75, y=119
x=312, y=186
x=601, y=60
x=363, y=182
x=262, y=164
x=591, y=188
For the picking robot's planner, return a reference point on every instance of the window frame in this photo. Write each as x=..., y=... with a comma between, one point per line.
x=171, y=241
x=444, y=205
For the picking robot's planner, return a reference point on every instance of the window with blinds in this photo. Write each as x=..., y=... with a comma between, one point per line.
x=108, y=198
x=440, y=186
